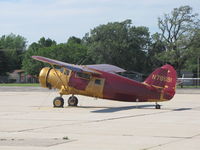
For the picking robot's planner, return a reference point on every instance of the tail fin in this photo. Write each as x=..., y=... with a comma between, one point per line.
x=164, y=78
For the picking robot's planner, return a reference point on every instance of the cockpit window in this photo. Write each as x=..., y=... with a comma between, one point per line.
x=83, y=75
x=64, y=71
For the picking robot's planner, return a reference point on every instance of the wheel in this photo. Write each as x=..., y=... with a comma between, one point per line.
x=158, y=106
x=72, y=101
x=58, y=102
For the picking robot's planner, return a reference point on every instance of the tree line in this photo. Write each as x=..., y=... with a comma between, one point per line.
x=118, y=43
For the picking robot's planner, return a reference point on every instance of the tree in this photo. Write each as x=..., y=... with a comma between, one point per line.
x=3, y=63
x=74, y=39
x=194, y=49
x=46, y=42
x=156, y=47
x=71, y=52
x=118, y=43
x=12, y=48
x=177, y=31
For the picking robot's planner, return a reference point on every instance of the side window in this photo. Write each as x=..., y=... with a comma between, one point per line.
x=83, y=75
x=97, y=81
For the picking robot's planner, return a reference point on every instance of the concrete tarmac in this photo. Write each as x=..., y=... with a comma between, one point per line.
x=29, y=122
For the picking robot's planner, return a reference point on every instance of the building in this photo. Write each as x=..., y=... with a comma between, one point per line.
x=19, y=76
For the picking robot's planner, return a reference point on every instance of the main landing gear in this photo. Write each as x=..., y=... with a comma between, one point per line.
x=157, y=106
x=72, y=101
x=59, y=101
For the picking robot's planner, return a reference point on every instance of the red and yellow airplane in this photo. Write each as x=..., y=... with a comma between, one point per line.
x=102, y=81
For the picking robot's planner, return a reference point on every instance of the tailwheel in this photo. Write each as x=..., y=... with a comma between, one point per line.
x=58, y=102
x=158, y=106
x=72, y=101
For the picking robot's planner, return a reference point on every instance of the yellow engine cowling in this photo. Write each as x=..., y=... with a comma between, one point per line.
x=52, y=78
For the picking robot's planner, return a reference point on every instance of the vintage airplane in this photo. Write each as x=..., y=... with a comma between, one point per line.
x=102, y=81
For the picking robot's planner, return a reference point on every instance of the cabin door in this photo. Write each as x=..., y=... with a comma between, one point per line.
x=95, y=87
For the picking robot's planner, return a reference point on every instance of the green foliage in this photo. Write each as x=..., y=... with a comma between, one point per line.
x=177, y=32
x=194, y=53
x=12, y=48
x=156, y=47
x=3, y=63
x=118, y=43
x=46, y=42
x=71, y=52
x=74, y=39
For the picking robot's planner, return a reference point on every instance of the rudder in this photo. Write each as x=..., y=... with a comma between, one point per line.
x=163, y=78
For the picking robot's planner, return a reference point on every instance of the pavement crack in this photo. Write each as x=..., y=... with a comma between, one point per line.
x=93, y=121
x=178, y=139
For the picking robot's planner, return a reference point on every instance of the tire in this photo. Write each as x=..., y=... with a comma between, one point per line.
x=72, y=101
x=58, y=102
x=157, y=106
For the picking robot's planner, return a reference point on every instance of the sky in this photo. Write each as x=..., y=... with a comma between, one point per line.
x=60, y=19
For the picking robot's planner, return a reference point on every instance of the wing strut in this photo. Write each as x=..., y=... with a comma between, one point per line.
x=59, y=77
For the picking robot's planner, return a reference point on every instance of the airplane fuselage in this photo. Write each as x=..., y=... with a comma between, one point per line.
x=104, y=85
x=116, y=87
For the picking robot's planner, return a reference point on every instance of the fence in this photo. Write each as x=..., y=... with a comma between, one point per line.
x=188, y=82
x=21, y=79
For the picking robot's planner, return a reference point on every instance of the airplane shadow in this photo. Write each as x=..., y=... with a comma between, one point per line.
x=103, y=107
x=181, y=109
x=116, y=109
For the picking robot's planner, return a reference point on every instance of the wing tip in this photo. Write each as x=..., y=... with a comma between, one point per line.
x=35, y=57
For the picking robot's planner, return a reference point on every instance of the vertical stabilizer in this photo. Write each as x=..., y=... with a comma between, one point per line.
x=165, y=79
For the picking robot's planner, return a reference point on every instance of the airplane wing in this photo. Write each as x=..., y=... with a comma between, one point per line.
x=106, y=68
x=73, y=67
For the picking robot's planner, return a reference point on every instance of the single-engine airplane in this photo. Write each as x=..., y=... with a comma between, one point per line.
x=102, y=81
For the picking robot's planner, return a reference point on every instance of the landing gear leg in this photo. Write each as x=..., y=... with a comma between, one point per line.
x=72, y=101
x=157, y=106
x=58, y=102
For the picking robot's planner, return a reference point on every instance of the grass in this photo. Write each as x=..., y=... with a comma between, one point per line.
x=20, y=84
